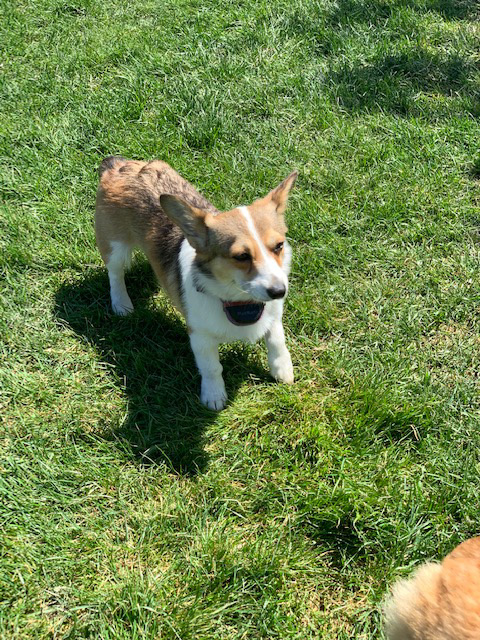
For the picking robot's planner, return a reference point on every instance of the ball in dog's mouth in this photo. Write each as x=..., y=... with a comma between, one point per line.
x=244, y=313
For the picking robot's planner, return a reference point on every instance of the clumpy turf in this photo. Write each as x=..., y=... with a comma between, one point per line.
x=126, y=509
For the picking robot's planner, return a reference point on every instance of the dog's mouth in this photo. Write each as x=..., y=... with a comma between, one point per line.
x=244, y=313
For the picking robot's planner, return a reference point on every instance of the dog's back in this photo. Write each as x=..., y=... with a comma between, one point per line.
x=137, y=184
x=441, y=601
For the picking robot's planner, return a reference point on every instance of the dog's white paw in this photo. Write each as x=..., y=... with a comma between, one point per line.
x=282, y=369
x=122, y=306
x=213, y=394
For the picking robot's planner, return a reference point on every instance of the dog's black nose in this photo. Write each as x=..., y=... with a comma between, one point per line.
x=277, y=292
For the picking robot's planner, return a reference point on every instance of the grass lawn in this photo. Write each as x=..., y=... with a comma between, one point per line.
x=127, y=510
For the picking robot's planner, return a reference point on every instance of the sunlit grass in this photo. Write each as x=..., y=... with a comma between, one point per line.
x=129, y=511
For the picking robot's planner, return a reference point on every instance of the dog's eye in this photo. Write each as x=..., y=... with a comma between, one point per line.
x=278, y=248
x=242, y=257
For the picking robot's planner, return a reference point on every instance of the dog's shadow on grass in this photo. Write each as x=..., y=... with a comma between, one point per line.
x=151, y=357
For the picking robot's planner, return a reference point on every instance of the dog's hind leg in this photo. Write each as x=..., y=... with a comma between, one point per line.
x=116, y=262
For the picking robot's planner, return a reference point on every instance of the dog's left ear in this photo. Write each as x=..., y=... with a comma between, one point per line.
x=279, y=195
x=191, y=220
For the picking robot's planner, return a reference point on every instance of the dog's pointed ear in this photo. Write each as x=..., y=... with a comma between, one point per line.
x=192, y=221
x=279, y=195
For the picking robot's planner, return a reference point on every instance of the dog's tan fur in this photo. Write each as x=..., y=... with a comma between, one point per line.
x=441, y=601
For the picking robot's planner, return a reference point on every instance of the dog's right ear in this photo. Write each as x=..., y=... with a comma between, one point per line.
x=192, y=221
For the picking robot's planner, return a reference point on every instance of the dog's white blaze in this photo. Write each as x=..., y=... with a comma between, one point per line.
x=251, y=227
x=272, y=266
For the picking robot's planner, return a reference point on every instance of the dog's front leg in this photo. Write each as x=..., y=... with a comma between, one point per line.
x=205, y=350
x=279, y=359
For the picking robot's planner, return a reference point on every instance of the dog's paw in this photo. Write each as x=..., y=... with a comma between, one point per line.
x=282, y=369
x=122, y=307
x=213, y=394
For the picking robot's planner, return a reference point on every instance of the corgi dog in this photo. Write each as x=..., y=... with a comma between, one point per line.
x=441, y=601
x=225, y=271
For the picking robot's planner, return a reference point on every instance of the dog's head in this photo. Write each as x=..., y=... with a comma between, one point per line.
x=244, y=249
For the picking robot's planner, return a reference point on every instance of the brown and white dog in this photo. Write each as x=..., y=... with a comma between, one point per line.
x=227, y=272
x=441, y=601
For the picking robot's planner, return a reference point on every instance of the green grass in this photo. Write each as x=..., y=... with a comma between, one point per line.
x=126, y=509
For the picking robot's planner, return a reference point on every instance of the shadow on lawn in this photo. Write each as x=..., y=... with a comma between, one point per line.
x=349, y=11
x=151, y=355
x=339, y=536
x=392, y=82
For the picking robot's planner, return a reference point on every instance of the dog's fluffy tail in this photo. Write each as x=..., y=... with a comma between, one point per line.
x=110, y=163
x=412, y=610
